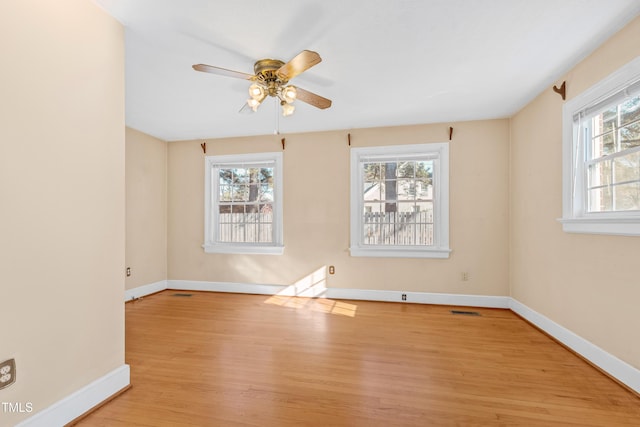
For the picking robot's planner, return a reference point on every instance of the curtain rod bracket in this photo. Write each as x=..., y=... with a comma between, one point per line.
x=349, y=139
x=283, y=143
x=450, y=133
x=562, y=90
x=204, y=147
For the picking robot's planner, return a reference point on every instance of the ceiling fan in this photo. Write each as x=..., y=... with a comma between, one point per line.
x=271, y=78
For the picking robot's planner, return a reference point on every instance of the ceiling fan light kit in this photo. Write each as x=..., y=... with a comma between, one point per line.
x=270, y=78
x=289, y=94
x=287, y=109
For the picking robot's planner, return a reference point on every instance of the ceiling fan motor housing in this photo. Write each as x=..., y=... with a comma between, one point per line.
x=265, y=70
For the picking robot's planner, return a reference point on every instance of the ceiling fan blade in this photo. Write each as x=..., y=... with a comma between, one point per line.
x=300, y=63
x=223, y=72
x=312, y=99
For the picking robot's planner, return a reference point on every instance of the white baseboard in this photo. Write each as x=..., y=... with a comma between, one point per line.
x=241, y=288
x=78, y=403
x=142, y=291
x=618, y=369
x=420, y=297
x=341, y=293
x=610, y=364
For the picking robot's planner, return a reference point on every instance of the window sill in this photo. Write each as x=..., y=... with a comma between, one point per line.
x=613, y=226
x=409, y=252
x=243, y=249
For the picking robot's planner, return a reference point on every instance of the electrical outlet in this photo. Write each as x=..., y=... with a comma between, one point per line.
x=464, y=276
x=332, y=269
x=404, y=297
x=128, y=271
x=7, y=373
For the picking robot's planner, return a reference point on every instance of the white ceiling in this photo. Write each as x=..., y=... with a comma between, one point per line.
x=384, y=62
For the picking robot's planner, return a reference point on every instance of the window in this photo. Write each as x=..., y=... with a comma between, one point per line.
x=601, y=156
x=400, y=201
x=243, y=204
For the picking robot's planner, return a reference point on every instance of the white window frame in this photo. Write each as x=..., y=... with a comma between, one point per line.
x=575, y=216
x=211, y=202
x=440, y=155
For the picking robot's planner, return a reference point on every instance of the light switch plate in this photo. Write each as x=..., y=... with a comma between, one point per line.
x=7, y=373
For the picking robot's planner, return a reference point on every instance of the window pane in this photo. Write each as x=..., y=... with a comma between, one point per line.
x=266, y=193
x=370, y=234
x=372, y=208
x=246, y=224
x=225, y=220
x=627, y=168
x=627, y=196
x=424, y=234
x=239, y=193
x=605, y=122
x=388, y=232
x=390, y=193
x=600, y=199
x=390, y=170
x=372, y=171
x=410, y=225
x=225, y=193
x=237, y=209
x=266, y=233
x=237, y=232
x=424, y=212
x=630, y=135
x=240, y=176
x=630, y=111
x=616, y=129
x=600, y=174
x=225, y=176
x=390, y=207
x=406, y=189
x=406, y=234
x=372, y=191
x=224, y=232
x=253, y=187
x=603, y=145
x=254, y=174
x=406, y=169
x=267, y=212
x=424, y=169
x=379, y=229
x=424, y=190
x=406, y=208
x=251, y=208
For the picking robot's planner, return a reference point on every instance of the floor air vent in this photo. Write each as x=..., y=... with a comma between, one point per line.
x=181, y=295
x=465, y=313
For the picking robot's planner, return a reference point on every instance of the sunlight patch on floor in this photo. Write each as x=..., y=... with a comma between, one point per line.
x=307, y=294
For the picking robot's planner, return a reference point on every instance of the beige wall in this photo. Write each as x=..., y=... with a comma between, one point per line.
x=316, y=212
x=587, y=283
x=61, y=198
x=146, y=209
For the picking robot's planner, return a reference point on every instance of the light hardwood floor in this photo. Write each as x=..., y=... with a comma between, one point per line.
x=216, y=359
